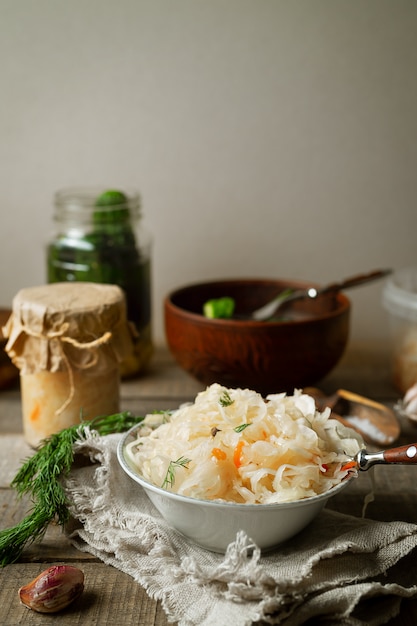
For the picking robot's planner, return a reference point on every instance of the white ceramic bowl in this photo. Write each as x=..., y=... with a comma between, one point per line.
x=213, y=524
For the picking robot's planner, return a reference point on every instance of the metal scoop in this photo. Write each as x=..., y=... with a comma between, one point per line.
x=377, y=423
x=268, y=310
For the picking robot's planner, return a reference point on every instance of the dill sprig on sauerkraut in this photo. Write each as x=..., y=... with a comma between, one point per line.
x=240, y=447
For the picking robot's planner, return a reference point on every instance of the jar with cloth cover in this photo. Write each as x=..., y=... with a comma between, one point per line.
x=67, y=340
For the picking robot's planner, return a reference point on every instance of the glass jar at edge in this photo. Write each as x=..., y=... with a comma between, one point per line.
x=99, y=237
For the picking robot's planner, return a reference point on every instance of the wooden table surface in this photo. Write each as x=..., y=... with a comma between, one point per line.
x=112, y=596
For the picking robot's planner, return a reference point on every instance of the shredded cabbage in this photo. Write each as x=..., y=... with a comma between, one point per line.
x=236, y=446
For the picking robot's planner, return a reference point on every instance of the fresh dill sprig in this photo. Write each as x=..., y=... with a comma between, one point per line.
x=225, y=399
x=240, y=428
x=40, y=477
x=170, y=475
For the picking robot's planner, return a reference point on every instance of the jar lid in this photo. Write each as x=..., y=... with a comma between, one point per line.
x=399, y=296
x=62, y=325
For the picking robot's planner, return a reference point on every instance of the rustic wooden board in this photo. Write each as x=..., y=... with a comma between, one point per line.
x=112, y=596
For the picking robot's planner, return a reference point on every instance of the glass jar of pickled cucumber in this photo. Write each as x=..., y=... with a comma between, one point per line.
x=99, y=237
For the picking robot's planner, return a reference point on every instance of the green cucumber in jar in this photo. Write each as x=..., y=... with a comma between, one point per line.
x=108, y=253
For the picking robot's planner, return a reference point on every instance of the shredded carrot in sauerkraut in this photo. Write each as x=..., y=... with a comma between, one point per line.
x=246, y=450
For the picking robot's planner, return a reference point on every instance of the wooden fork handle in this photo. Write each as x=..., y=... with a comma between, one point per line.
x=356, y=280
x=403, y=454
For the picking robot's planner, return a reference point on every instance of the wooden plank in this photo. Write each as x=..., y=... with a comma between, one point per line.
x=109, y=592
x=166, y=386
x=108, y=595
x=163, y=379
x=365, y=370
x=10, y=411
x=13, y=451
x=53, y=545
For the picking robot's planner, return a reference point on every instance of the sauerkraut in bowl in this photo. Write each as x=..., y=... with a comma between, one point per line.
x=234, y=446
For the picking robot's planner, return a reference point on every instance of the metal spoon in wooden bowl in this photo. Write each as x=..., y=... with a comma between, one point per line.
x=268, y=310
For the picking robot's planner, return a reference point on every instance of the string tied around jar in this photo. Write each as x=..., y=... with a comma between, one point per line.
x=52, y=342
x=68, y=341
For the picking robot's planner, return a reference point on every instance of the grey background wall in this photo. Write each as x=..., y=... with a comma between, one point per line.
x=267, y=138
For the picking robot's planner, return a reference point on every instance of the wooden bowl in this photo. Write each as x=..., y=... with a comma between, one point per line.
x=269, y=357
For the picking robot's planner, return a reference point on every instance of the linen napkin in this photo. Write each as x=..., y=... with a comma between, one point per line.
x=340, y=570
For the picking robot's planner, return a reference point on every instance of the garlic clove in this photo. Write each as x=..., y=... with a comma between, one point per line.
x=53, y=590
x=408, y=405
x=411, y=394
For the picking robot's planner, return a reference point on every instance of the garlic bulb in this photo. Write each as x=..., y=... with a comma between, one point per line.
x=53, y=590
x=408, y=405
